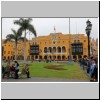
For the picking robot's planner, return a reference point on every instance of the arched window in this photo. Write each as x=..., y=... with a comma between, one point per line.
x=8, y=57
x=50, y=49
x=54, y=57
x=54, y=49
x=40, y=57
x=63, y=57
x=4, y=57
x=63, y=49
x=11, y=57
x=45, y=50
x=45, y=57
x=36, y=57
x=59, y=49
x=59, y=58
x=50, y=57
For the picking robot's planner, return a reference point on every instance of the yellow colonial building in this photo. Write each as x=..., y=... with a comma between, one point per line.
x=55, y=46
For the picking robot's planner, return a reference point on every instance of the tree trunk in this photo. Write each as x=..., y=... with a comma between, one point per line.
x=25, y=47
x=15, y=51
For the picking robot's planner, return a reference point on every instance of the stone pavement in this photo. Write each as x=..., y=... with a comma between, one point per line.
x=38, y=79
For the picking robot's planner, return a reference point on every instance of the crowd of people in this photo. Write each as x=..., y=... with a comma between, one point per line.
x=12, y=70
x=91, y=67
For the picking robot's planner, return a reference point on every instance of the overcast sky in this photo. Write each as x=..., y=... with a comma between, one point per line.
x=45, y=26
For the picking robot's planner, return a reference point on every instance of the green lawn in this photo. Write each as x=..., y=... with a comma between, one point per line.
x=72, y=71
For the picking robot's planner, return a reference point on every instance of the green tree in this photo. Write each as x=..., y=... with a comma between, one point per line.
x=16, y=36
x=25, y=24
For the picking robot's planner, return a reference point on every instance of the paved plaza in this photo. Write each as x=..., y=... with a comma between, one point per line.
x=36, y=79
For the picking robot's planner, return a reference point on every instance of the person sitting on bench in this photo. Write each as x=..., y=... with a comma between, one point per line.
x=6, y=71
x=25, y=70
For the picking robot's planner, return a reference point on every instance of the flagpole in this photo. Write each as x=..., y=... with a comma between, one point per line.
x=76, y=28
x=54, y=29
x=55, y=38
x=69, y=44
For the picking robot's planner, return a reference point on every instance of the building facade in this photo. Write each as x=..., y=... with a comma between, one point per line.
x=55, y=46
x=94, y=47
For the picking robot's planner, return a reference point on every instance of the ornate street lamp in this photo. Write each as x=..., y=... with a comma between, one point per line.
x=88, y=31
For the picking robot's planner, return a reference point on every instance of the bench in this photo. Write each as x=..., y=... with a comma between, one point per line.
x=19, y=74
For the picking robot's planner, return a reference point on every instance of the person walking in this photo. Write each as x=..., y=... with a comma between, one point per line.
x=92, y=67
x=27, y=71
x=83, y=64
x=95, y=72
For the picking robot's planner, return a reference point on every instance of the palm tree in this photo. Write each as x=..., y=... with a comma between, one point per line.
x=25, y=24
x=16, y=36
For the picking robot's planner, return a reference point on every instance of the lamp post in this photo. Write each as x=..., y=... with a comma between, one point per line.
x=88, y=31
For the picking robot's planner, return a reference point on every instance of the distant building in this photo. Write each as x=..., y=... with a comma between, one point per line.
x=2, y=50
x=94, y=47
x=54, y=46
